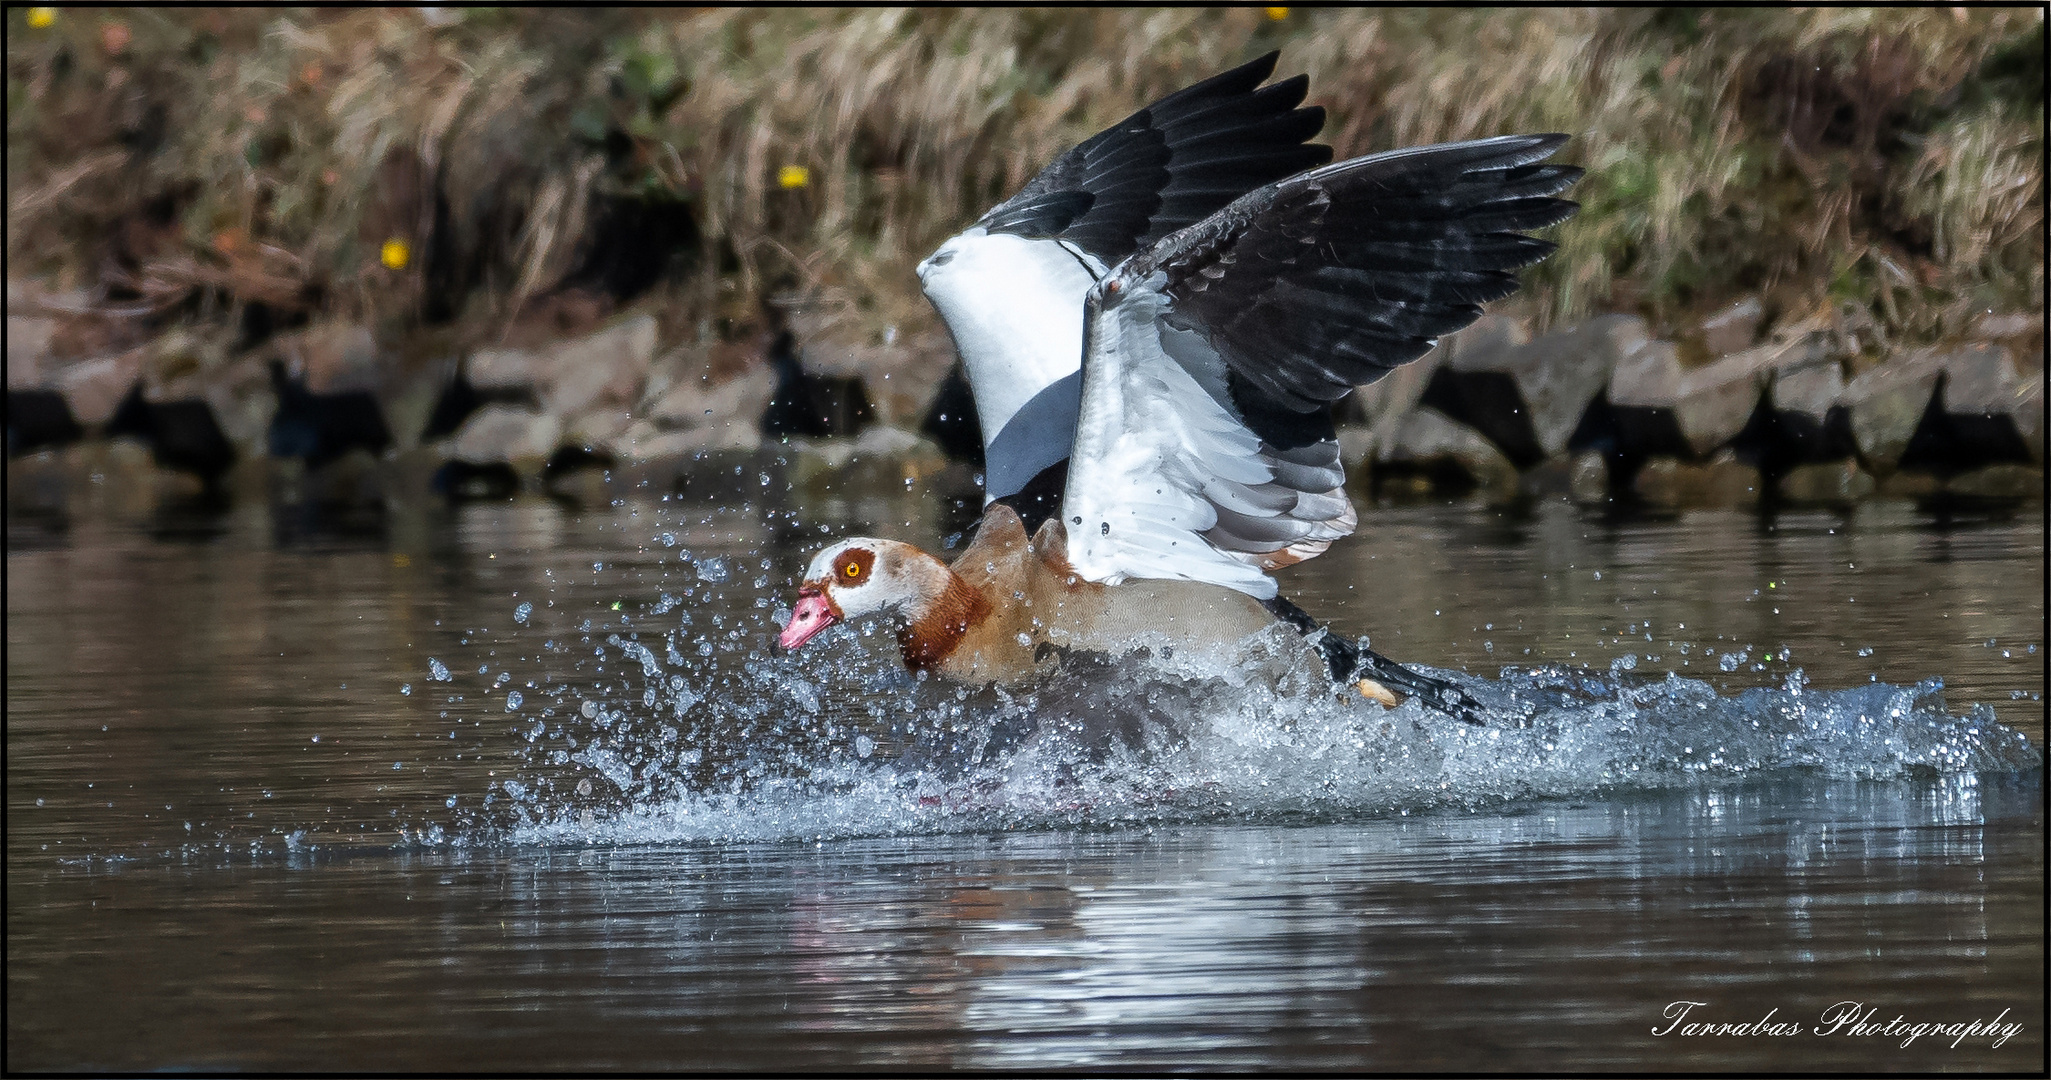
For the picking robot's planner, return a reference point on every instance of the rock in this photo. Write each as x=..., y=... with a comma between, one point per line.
x=903, y=375
x=2021, y=325
x=1385, y=401
x=1991, y=413
x=902, y=369
x=2006, y=481
x=410, y=401
x=698, y=400
x=1886, y=405
x=1715, y=402
x=1800, y=422
x=240, y=392
x=643, y=441
x=1588, y=479
x=2029, y=417
x=334, y=356
x=1529, y=399
x=1356, y=446
x=95, y=387
x=508, y=370
x=1642, y=393
x=1828, y=482
x=38, y=419
x=506, y=434
x=28, y=349
x=1550, y=479
x=1733, y=329
x=881, y=461
x=1649, y=377
x=596, y=427
x=607, y=368
x=1722, y=481
x=1449, y=454
x=1946, y=411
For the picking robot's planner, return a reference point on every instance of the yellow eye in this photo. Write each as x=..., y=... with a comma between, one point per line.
x=854, y=570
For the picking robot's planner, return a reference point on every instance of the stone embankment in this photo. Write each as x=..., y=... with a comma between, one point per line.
x=1731, y=413
x=1605, y=412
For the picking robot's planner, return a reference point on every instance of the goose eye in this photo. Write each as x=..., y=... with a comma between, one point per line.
x=853, y=570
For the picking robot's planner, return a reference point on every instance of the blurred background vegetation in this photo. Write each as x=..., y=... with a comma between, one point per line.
x=483, y=170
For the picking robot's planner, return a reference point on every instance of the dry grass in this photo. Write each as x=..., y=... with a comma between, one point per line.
x=1865, y=156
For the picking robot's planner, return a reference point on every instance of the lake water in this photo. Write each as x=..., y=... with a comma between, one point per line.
x=521, y=786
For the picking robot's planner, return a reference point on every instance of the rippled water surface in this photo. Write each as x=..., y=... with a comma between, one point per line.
x=521, y=786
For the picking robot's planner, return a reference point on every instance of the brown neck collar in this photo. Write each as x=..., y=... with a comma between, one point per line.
x=934, y=632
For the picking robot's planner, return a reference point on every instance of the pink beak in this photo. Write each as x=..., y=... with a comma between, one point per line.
x=814, y=613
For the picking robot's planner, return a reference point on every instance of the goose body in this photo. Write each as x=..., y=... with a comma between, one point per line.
x=1010, y=606
x=1155, y=330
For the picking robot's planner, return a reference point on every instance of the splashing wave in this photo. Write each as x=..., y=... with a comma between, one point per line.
x=847, y=745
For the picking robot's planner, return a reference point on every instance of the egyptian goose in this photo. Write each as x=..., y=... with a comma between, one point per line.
x=1156, y=327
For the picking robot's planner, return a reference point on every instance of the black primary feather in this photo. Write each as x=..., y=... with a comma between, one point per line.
x=1326, y=281
x=1170, y=164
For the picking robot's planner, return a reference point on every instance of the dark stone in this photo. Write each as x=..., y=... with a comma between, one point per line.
x=182, y=435
x=1452, y=457
x=1529, y=399
x=813, y=405
x=1733, y=329
x=39, y=418
x=319, y=428
x=462, y=397
x=951, y=420
x=1979, y=413
x=1886, y=406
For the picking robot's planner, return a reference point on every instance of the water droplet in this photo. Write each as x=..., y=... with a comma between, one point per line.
x=437, y=670
x=513, y=701
x=864, y=746
x=520, y=613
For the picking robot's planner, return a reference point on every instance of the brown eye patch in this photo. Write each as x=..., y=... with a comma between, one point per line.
x=852, y=568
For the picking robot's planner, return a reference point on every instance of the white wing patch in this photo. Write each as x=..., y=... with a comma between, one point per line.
x=1014, y=307
x=1165, y=480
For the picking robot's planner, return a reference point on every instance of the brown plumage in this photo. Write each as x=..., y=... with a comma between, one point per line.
x=1010, y=605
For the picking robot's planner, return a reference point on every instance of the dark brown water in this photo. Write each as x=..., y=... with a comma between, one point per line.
x=272, y=804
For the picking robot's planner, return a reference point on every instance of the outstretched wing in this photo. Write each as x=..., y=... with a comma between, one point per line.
x=1204, y=447
x=1169, y=165
x=1011, y=287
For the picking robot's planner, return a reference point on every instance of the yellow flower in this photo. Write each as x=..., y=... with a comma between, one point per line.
x=1277, y=13
x=793, y=176
x=396, y=253
x=41, y=17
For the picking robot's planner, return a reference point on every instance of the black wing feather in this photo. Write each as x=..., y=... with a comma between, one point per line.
x=1169, y=165
x=1325, y=281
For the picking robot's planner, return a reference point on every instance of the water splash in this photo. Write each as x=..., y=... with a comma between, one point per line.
x=846, y=743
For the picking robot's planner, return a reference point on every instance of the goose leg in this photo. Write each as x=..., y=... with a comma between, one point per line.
x=1349, y=662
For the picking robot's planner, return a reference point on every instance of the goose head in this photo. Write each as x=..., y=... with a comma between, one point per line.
x=864, y=576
